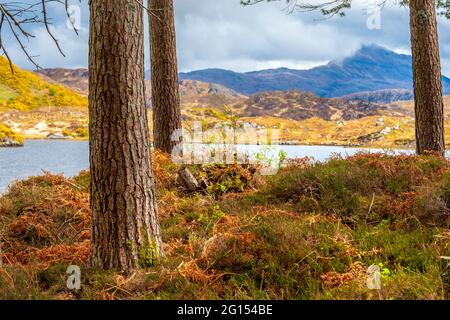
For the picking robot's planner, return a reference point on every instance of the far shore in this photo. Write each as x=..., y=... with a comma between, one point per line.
x=381, y=148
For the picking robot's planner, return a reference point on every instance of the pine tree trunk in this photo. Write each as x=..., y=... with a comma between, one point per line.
x=429, y=106
x=164, y=74
x=125, y=231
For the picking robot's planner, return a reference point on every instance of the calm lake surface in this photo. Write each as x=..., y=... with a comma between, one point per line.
x=70, y=157
x=67, y=157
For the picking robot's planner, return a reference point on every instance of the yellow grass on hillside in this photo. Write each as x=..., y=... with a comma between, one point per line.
x=316, y=131
x=34, y=108
x=24, y=90
x=73, y=122
x=409, y=105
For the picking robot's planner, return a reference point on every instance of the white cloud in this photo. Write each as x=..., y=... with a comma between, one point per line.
x=223, y=34
x=46, y=52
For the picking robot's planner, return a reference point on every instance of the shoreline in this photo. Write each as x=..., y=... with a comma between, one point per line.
x=347, y=146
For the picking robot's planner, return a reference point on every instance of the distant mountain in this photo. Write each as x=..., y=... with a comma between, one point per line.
x=24, y=90
x=381, y=96
x=371, y=68
x=75, y=79
x=191, y=91
x=292, y=104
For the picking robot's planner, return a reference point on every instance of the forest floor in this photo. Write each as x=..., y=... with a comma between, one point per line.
x=309, y=232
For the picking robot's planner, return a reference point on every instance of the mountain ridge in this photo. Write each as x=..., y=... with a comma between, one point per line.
x=301, y=117
x=372, y=74
x=191, y=91
x=197, y=97
x=370, y=68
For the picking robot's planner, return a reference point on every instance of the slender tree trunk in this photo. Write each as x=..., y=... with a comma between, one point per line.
x=429, y=106
x=164, y=74
x=125, y=231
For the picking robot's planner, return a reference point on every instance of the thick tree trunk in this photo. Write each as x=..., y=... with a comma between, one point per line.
x=164, y=74
x=429, y=106
x=125, y=232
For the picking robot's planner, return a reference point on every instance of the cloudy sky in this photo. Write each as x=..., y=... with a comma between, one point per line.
x=224, y=34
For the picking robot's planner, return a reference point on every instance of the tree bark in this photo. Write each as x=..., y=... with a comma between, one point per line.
x=164, y=74
x=429, y=106
x=125, y=231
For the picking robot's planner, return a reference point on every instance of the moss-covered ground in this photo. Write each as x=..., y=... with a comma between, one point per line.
x=309, y=232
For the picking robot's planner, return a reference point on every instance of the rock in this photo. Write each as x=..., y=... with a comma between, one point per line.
x=217, y=250
x=380, y=122
x=56, y=136
x=41, y=126
x=289, y=143
x=188, y=179
x=396, y=127
x=216, y=246
x=406, y=143
x=362, y=140
x=10, y=143
x=386, y=131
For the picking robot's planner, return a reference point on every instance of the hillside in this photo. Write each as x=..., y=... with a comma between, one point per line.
x=409, y=105
x=63, y=122
x=302, y=117
x=207, y=93
x=27, y=102
x=191, y=91
x=24, y=90
x=370, y=68
x=297, y=105
x=75, y=79
x=197, y=94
